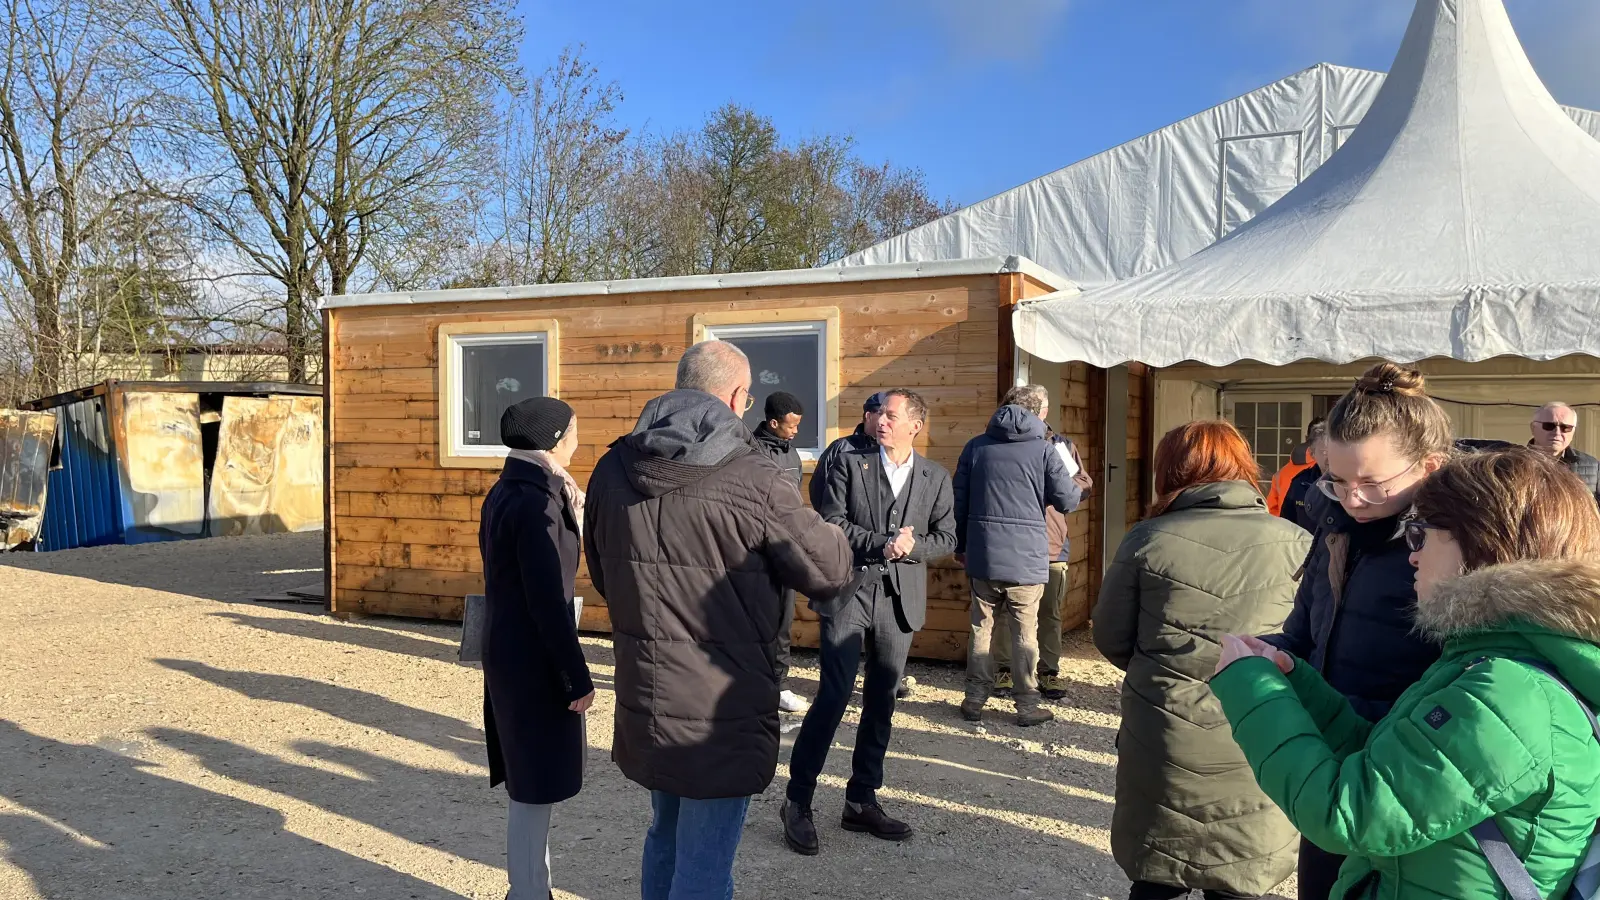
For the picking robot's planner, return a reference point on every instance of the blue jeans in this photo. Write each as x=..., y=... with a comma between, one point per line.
x=688, y=854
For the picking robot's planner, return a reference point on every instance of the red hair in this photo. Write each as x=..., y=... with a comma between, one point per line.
x=1201, y=453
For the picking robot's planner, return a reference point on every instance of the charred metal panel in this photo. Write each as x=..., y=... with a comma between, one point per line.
x=26, y=439
x=247, y=456
x=162, y=472
x=268, y=473
x=297, y=481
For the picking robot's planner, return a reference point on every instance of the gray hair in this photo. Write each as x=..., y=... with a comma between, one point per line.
x=1556, y=406
x=716, y=367
x=1031, y=397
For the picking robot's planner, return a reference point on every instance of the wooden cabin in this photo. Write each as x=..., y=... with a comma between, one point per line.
x=418, y=381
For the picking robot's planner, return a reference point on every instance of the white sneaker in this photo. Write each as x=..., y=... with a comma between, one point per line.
x=790, y=702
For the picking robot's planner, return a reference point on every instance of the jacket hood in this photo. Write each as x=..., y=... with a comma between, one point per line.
x=680, y=438
x=766, y=436
x=1013, y=423
x=1219, y=495
x=1549, y=609
x=1559, y=596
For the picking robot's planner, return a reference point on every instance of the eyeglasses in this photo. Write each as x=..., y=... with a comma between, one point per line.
x=1552, y=426
x=1375, y=493
x=749, y=399
x=1417, y=534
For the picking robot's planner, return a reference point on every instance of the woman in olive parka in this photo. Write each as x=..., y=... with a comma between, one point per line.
x=1209, y=560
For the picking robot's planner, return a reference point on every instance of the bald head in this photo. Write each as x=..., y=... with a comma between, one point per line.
x=717, y=368
x=1553, y=427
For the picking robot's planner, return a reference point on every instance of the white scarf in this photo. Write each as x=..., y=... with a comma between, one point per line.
x=569, y=487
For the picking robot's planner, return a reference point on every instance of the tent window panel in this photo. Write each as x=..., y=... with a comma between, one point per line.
x=1255, y=171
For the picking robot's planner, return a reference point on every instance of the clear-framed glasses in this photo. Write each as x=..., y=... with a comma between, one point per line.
x=749, y=400
x=1374, y=493
x=1417, y=534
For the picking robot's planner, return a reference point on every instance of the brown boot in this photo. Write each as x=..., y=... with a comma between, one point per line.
x=972, y=710
x=1037, y=715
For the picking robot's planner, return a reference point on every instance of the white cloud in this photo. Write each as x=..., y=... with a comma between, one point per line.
x=1006, y=30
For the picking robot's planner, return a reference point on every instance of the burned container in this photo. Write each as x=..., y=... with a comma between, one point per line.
x=155, y=461
x=26, y=440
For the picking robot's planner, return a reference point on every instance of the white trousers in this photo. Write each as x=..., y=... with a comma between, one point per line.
x=528, y=850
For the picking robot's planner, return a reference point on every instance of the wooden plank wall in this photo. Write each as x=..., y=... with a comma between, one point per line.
x=1082, y=401
x=1080, y=422
x=403, y=532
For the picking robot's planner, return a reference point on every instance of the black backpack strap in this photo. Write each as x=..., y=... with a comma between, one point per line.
x=1507, y=867
x=1511, y=871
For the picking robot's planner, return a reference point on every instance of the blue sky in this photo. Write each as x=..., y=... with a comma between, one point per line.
x=983, y=96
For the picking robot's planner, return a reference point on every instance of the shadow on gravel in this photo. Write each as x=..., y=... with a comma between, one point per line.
x=105, y=825
x=361, y=708
x=230, y=570
x=407, y=637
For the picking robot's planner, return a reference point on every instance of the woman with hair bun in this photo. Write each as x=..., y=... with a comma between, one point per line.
x=1353, y=616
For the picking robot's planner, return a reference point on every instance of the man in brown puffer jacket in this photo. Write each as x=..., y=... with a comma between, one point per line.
x=691, y=535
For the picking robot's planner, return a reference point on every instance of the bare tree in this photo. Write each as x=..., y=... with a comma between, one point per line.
x=313, y=131
x=66, y=131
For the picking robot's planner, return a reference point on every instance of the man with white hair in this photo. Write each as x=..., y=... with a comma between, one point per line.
x=1553, y=428
x=691, y=535
x=1004, y=481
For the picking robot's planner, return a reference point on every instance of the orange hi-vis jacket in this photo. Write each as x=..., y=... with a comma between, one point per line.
x=1299, y=461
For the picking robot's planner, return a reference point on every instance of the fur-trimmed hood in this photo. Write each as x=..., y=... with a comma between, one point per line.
x=1562, y=596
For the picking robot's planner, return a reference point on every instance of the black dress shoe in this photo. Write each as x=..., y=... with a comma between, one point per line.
x=871, y=819
x=798, y=830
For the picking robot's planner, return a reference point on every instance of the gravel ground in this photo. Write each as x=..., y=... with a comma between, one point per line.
x=163, y=736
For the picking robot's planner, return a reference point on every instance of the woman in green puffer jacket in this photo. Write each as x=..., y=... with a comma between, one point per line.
x=1507, y=580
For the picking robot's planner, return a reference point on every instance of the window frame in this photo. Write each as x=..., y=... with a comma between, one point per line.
x=820, y=320
x=1230, y=400
x=452, y=338
x=1224, y=145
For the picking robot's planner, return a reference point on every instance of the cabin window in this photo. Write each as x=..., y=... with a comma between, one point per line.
x=484, y=369
x=790, y=350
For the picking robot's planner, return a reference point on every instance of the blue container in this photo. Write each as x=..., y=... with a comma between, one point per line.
x=83, y=505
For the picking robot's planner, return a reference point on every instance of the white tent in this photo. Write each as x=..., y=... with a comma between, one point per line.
x=1158, y=199
x=1461, y=219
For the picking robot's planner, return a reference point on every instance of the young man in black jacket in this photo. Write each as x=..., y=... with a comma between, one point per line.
x=775, y=435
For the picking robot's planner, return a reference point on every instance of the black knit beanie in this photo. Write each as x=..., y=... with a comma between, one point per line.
x=535, y=424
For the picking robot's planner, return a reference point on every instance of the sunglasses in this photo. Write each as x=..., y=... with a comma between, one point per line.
x=1552, y=426
x=1417, y=534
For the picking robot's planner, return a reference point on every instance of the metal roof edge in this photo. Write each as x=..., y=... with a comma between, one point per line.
x=99, y=389
x=986, y=265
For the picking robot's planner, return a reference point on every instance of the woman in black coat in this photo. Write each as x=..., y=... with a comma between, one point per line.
x=536, y=681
